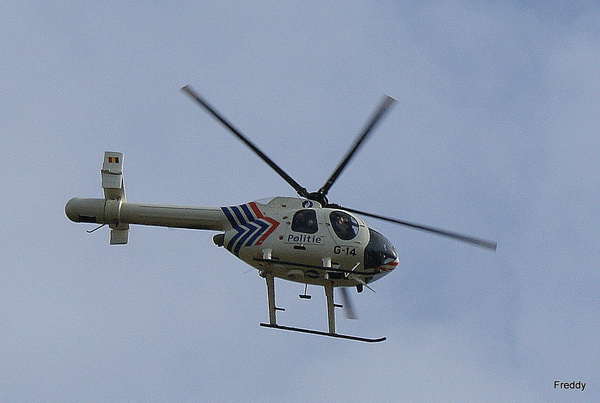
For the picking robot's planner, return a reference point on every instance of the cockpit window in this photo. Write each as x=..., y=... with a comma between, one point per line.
x=344, y=225
x=379, y=251
x=305, y=221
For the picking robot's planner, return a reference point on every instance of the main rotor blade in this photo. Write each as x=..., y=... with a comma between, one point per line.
x=347, y=303
x=465, y=238
x=301, y=190
x=384, y=106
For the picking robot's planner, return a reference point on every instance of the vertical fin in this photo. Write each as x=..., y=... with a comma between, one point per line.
x=112, y=184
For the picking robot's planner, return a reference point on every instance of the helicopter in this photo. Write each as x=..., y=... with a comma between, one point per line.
x=304, y=239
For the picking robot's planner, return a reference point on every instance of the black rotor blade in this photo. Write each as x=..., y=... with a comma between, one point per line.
x=465, y=238
x=383, y=107
x=347, y=303
x=301, y=190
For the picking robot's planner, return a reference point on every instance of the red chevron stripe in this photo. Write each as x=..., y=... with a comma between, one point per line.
x=273, y=224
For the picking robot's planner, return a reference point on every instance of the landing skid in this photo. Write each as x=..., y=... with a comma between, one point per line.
x=270, y=280
x=339, y=336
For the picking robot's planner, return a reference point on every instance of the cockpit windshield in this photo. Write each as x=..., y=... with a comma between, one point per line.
x=344, y=225
x=379, y=251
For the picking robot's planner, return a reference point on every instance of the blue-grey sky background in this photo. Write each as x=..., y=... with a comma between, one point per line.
x=496, y=134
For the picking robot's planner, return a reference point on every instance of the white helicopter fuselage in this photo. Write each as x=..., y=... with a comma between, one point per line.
x=293, y=239
x=298, y=240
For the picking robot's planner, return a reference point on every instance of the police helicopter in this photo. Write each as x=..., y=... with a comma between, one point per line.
x=303, y=239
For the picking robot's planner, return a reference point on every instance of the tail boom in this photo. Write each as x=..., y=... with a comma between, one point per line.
x=118, y=212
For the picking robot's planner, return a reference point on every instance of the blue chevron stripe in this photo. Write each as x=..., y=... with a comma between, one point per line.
x=255, y=221
x=248, y=213
x=263, y=227
x=239, y=226
x=247, y=225
x=229, y=216
x=249, y=229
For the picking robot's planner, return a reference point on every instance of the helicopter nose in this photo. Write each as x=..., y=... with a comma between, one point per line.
x=380, y=253
x=390, y=266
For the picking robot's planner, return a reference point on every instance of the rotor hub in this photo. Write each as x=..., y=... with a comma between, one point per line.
x=318, y=197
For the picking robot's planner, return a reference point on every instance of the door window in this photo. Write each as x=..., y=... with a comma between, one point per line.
x=305, y=221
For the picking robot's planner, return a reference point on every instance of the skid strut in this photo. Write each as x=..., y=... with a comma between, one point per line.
x=330, y=308
x=271, y=298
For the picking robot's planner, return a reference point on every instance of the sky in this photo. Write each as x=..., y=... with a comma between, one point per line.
x=495, y=134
